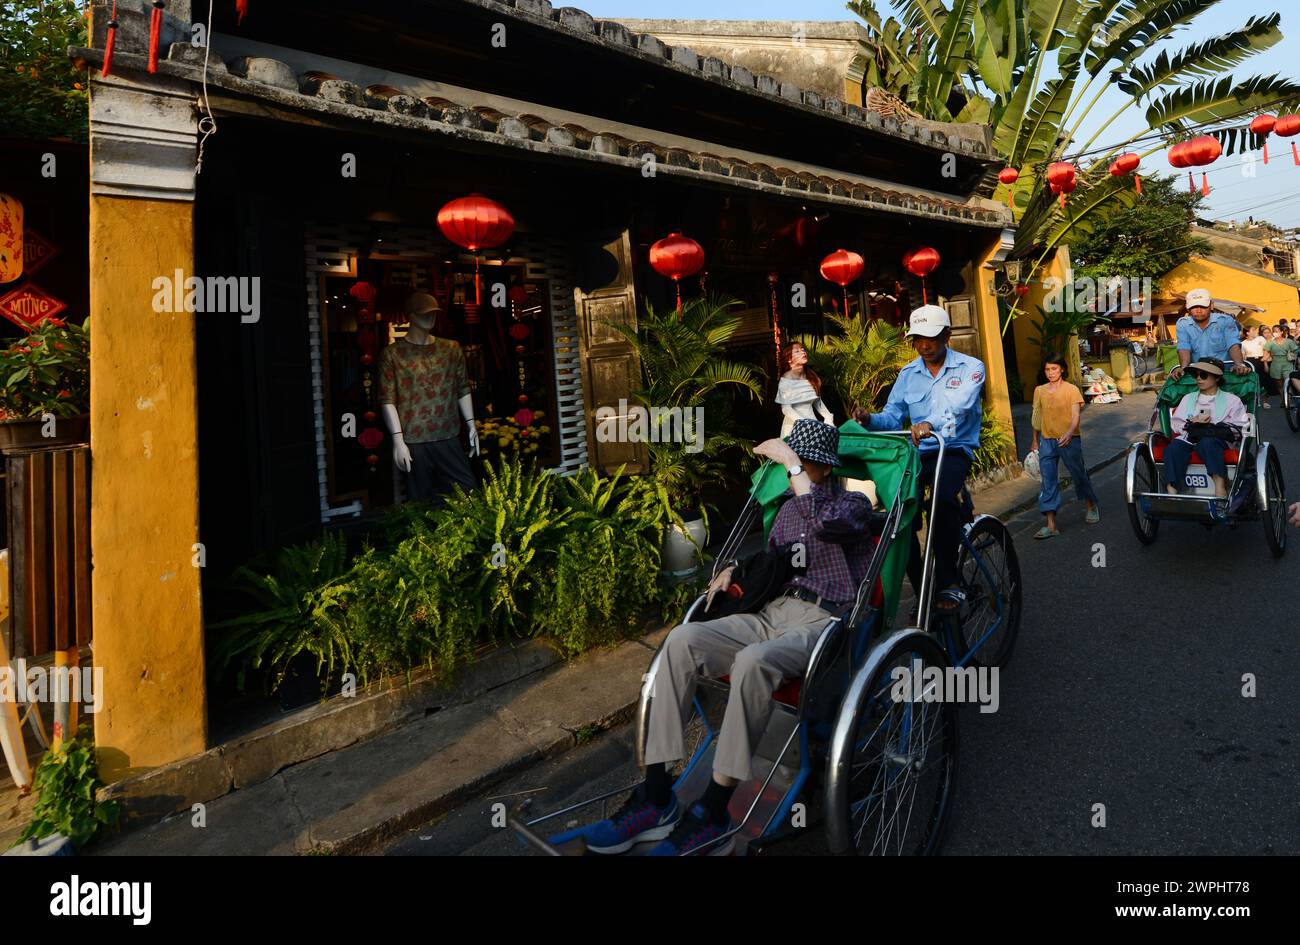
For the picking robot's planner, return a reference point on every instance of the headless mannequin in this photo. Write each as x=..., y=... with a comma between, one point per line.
x=420, y=334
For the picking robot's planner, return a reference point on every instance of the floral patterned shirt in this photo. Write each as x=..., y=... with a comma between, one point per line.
x=424, y=383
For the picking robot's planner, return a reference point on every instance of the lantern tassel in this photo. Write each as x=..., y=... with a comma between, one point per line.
x=1294, y=153
x=155, y=34
x=925, y=300
x=242, y=7
x=1062, y=200
x=1137, y=182
x=478, y=284
x=678, y=283
x=845, y=288
x=1205, y=185
x=1266, y=152
x=110, y=42
x=1191, y=183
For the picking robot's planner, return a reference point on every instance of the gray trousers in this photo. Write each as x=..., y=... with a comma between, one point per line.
x=435, y=467
x=758, y=651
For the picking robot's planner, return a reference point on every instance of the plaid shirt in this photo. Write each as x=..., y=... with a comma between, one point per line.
x=834, y=571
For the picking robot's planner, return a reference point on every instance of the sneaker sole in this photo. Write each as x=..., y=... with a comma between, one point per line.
x=654, y=833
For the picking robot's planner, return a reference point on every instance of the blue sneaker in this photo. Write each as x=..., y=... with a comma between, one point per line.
x=694, y=831
x=635, y=822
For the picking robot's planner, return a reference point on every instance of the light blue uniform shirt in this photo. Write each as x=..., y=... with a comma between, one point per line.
x=949, y=402
x=1213, y=341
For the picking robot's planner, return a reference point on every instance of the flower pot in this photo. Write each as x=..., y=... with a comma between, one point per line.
x=22, y=434
x=681, y=557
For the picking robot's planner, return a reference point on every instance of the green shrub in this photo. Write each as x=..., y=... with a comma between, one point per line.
x=997, y=446
x=65, y=783
x=302, y=609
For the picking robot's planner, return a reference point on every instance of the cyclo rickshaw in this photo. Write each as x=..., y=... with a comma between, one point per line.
x=1255, y=485
x=1291, y=402
x=876, y=767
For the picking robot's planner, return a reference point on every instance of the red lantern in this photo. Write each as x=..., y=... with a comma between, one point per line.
x=676, y=257
x=1262, y=126
x=1203, y=150
x=518, y=294
x=842, y=267
x=1178, y=155
x=1127, y=162
x=369, y=438
x=523, y=416
x=1061, y=175
x=519, y=331
x=1022, y=290
x=1287, y=126
x=363, y=292
x=920, y=262
x=476, y=222
x=1008, y=176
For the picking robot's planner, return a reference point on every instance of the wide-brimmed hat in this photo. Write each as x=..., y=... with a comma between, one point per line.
x=815, y=442
x=1212, y=365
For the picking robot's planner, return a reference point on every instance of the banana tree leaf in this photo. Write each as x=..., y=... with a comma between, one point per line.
x=1211, y=57
x=1220, y=100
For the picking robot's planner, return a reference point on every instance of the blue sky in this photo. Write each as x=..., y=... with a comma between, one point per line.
x=1274, y=194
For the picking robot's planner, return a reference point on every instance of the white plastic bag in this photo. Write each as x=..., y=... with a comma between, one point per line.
x=1031, y=465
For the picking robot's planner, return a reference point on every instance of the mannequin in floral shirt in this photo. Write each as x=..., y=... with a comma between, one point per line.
x=424, y=392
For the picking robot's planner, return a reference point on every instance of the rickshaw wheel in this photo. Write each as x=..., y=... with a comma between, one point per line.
x=1291, y=403
x=1273, y=510
x=991, y=578
x=1144, y=480
x=893, y=761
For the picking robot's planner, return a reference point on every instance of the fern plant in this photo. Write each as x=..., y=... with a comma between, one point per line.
x=302, y=608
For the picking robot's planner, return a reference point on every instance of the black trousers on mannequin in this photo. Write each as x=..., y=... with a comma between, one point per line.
x=435, y=468
x=949, y=517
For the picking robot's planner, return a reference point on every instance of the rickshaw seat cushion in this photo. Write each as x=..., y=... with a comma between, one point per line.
x=786, y=694
x=1158, y=443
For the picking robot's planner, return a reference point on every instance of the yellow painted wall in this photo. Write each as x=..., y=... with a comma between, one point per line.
x=1278, y=300
x=985, y=304
x=148, y=628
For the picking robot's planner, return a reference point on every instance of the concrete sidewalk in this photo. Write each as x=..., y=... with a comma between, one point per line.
x=353, y=799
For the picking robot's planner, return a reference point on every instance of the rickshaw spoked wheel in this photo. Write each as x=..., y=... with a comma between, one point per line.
x=894, y=760
x=1273, y=512
x=990, y=576
x=1144, y=480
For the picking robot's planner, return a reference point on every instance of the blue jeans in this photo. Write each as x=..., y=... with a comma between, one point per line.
x=1179, y=452
x=1049, y=453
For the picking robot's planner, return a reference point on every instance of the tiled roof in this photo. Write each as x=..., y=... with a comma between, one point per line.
x=468, y=115
x=611, y=35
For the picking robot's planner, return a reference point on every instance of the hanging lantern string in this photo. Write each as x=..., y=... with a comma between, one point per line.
x=110, y=42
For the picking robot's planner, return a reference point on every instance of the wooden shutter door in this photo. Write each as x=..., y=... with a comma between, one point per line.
x=610, y=365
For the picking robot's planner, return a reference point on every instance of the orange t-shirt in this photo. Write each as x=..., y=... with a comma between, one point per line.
x=1053, y=409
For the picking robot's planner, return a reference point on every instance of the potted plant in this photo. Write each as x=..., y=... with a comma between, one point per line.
x=686, y=376
x=45, y=374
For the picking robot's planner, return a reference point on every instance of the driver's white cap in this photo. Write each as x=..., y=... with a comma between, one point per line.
x=1199, y=297
x=928, y=321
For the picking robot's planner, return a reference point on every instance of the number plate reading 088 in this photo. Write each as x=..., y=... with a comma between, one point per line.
x=1196, y=481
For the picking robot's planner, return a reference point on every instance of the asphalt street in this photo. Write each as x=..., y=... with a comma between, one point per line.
x=1125, y=689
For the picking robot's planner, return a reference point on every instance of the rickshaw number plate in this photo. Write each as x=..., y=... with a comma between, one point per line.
x=1196, y=481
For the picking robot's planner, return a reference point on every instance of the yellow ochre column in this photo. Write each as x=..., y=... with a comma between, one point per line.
x=148, y=626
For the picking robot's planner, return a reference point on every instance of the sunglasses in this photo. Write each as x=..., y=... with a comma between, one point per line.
x=1199, y=374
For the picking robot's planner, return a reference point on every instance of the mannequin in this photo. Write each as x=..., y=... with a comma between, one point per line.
x=799, y=392
x=424, y=395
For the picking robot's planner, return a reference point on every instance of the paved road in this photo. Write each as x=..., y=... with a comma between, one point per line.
x=1125, y=690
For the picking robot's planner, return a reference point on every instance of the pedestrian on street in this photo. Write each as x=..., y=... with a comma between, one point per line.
x=1281, y=350
x=1056, y=420
x=1253, y=348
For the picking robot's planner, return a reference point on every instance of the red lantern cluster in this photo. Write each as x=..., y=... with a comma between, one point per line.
x=677, y=257
x=842, y=267
x=920, y=262
x=1197, y=152
x=1062, y=177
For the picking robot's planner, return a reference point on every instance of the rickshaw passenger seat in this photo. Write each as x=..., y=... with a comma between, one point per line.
x=1231, y=456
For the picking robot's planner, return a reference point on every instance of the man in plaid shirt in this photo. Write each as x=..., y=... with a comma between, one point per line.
x=758, y=650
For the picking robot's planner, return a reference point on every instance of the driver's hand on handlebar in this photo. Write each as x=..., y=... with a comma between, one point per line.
x=1241, y=367
x=1176, y=373
x=718, y=584
x=1294, y=509
x=920, y=431
x=861, y=415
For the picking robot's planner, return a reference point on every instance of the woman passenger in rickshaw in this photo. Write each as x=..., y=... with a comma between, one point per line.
x=1205, y=421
